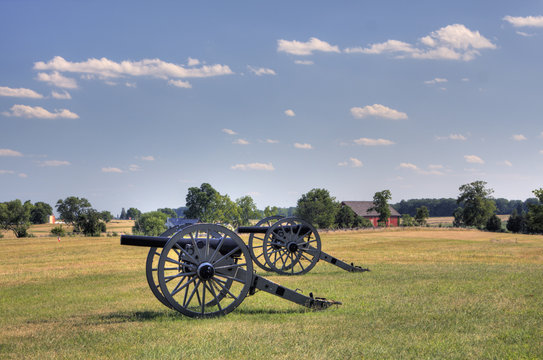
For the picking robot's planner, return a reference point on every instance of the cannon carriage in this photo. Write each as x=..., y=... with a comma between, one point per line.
x=206, y=270
x=289, y=246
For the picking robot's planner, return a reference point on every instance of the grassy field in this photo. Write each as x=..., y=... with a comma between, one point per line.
x=431, y=294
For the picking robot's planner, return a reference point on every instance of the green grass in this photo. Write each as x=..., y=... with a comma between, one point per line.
x=431, y=294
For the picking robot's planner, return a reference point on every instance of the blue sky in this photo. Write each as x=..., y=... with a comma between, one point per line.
x=130, y=103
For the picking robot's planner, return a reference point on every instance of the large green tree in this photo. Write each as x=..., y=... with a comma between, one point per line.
x=132, y=213
x=516, y=222
x=168, y=211
x=40, y=213
x=422, y=215
x=380, y=204
x=247, y=209
x=89, y=222
x=199, y=201
x=151, y=223
x=318, y=208
x=478, y=206
x=534, y=218
x=15, y=216
x=70, y=208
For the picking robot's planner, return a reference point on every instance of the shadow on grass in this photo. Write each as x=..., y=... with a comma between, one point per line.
x=142, y=316
x=137, y=316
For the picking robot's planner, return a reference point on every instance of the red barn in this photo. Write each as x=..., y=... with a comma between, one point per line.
x=361, y=208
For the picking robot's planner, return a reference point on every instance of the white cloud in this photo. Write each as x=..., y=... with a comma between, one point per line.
x=10, y=153
x=373, y=142
x=193, y=62
x=522, y=33
x=180, y=84
x=104, y=68
x=131, y=84
x=435, y=81
x=290, y=112
x=57, y=79
x=433, y=169
x=452, y=42
x=377, y=110
x=20, y=92
x=541, y=152
x=304, y=62
x=473, y=159
x=352, y=162
x=295, y=47
x=507, y=163
x=389, y=46
x=39, y=112
x=134, y=167
x=465, y=79
x=229, y=132
x=54, y=163
x=271, y=141
x=241, y=142
x=22, y=175
x=111, y=170
x=62, y=96
x=261, y=71
x=409, y=166
x=452, y=137
x=6, y=172
x=148, y=158
x=303, y=146
x=526, y=21
x=519, y=137
x=253, y=166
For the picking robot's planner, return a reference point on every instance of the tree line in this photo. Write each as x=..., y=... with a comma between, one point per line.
x=447, y=206
x=474, y=207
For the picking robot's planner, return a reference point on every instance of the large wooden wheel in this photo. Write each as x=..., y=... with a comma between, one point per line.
x=291, y=246
x=205, y=270
x=256, y=242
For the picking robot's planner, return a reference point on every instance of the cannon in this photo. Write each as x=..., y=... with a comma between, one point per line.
x=206, y=270
x=289, y=246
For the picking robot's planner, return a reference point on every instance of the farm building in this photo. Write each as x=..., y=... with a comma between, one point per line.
x=361, y=208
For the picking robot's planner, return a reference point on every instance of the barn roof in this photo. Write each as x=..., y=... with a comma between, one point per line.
x=361, y=208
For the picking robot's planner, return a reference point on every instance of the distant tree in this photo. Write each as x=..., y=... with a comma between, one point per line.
x=478, y=206
x=361, y=222
x=39, y=214
x=494, y=223
x=106, y=216
x=422, y=215
x=318, y=208
x=15, y=216
x=271, y=211
x=151, y=223
x=199, y=201
x=247, y=209
x=70, y=209
x=516, y=222
x=133, y=214
x=458, y=219
x=89, y=222
x=345, y=217
x=169, y=212
x=534, y=218
x=380, y=204
x=123, y=215
x=58, y=231
x=407, y=220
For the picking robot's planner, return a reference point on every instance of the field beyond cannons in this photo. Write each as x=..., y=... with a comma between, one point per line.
x=431, y=293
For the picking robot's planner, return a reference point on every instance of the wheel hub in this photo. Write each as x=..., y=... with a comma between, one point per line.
x=206, y=271
x=292, y=247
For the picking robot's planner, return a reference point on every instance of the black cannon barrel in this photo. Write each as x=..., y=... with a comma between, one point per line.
x=159, y=242
x=264, y=229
